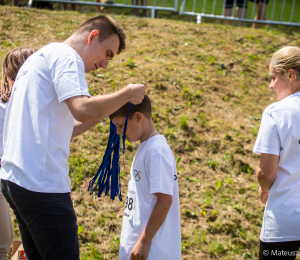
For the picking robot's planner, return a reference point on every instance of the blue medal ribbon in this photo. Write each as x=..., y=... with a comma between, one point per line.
x=109, y=170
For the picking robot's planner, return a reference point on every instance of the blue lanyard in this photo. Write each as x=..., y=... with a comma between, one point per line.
x=109, y=169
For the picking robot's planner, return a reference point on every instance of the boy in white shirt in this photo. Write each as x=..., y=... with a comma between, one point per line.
x=151, y=222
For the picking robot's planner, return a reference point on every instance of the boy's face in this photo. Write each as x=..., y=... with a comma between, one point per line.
x=134, y=128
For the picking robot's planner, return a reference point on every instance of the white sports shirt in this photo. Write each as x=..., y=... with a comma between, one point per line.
x=154, y=171
x=279, y=134
x=38, y=123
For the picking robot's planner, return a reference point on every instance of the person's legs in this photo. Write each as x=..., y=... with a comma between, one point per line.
x=6, y=227
x=145, y=11
x=228, y=6
x=278, y=250
x=98, y=7
x=15, y=2
x=28, y=243
x=74, y=7
x=260, y=13
x=136, y=11
x=241, y=13
x=50, y=220
x=66, y=6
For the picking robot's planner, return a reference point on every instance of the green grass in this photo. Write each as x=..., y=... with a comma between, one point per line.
x=211, y=136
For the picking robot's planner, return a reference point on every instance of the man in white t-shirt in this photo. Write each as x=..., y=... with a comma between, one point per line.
x=50, y=94
x=151, y=222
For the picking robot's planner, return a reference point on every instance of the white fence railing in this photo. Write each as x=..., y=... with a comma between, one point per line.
x=280, y=12
x=157, y=5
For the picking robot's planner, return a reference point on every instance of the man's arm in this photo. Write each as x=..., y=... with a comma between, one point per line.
x=80, y=128
x=157, y=218
x=266, y=174
x=87, y=109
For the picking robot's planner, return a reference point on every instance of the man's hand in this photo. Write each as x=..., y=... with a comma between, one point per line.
x=136, y=93
x=140, y=251
x=263, y=195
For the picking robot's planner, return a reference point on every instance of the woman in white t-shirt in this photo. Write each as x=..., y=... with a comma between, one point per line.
x=11, y=65
x=278, y=144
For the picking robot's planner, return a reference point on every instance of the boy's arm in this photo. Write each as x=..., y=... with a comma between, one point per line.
x=80, y=128
x=157, y=218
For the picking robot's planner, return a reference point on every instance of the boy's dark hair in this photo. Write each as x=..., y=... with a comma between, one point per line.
x=106, y=27
x=144, y=108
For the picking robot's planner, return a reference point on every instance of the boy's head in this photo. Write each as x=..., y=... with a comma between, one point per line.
x=139, y=118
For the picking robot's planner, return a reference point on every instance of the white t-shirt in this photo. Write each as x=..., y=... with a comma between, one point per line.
x=38, y=124
x=279, y=134
x=3, y=107
x=154, y=171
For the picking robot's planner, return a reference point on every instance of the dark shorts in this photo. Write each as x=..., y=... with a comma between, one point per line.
x=47, y=222
x=256, y=1
x=279, y=250
x=239, y=3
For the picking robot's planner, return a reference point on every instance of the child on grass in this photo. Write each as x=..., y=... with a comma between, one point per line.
x=151, y=222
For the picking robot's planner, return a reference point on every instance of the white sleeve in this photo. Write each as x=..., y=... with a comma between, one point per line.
x=69, y=78
x=268, y=140
x=160, y=172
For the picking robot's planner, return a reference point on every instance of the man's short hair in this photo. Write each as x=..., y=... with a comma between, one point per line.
x=144, y=108
x=106, y=27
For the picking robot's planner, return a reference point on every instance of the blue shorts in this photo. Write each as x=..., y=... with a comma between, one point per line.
x=47, y=222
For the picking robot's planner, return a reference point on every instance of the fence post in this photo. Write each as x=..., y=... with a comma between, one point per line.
x=175, y=5
x=153, y=12
x=182, y=7
x=199, y=18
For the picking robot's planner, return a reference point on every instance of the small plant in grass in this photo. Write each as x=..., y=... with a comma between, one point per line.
x=203, y=212
x=212, y=164
x=93, y=234
x=93, y=254
x=183, y=122
x=216, y=247
x=80, y=230
x=131, y=64
x=191, y=179
x=190, y=214
x=219, y=184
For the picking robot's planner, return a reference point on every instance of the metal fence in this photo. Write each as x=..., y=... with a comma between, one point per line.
x=157, y=5
x=279, y=12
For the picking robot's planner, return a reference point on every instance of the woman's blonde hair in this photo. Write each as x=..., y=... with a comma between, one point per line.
x=13, y=61
x=285, y=59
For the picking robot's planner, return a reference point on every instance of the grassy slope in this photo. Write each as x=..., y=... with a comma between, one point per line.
x=209, y=116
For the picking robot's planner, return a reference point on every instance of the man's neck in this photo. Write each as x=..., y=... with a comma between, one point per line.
x=71, y=41
x=148, y=129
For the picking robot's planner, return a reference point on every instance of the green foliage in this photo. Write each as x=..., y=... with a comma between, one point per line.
x=183, y=122
x=190, y=214
x=191, y=179
x=219, y=184
x=93, y=254
x=212, y=164
x=80, y=229
x=131, y=64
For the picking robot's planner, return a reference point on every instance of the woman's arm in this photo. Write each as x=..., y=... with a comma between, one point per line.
x=267, y=170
